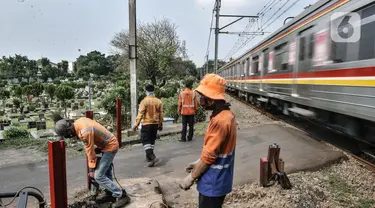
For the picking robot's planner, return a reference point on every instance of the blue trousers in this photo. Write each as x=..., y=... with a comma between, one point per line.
x=103, y=174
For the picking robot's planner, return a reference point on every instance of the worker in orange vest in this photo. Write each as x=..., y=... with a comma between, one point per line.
x=92, y=134
x=213, y=171
x=187, y=107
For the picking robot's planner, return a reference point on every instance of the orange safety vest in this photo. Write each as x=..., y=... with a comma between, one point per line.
x=187, y=102
x=93, y=134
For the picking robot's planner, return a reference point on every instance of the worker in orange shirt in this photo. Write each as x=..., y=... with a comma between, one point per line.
x=213, y=171
x=151, y=112
x=92, y=134
x=187, y=107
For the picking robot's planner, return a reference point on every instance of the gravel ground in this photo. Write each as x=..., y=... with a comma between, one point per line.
x=346, y=184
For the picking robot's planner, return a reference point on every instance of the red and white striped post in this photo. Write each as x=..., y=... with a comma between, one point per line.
x=57, y=174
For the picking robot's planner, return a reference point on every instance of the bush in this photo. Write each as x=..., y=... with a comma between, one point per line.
x=200, y=115
x=82, y=103
x=16, y=133
x=31, y=107
x=170, y=106
x=17, y=102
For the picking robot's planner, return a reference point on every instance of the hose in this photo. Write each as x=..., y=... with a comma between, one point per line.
x=18, y=192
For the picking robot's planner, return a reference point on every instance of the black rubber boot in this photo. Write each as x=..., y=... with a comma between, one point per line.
x=121, y=201
x=105, y=197
x=153, y=161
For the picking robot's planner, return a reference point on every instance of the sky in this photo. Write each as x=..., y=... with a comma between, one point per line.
x=65, y=29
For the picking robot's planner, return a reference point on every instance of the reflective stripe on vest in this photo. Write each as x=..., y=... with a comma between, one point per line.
x=192, y=102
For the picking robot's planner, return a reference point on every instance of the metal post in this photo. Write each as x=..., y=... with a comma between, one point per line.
x=118, y=121
x=57, y=174
x=217, y=30
x=88, y=114
x=133, y=59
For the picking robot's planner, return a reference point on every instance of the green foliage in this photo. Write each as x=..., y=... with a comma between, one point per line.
x=50, y=90
x=23, y=84
x=4, y=94
x=31, y=107
x=94, y=62
x=68, y=104
x=64, y=93
x=17, y=91
x=170, y=106
x=16, y=102
x=101, y=85
x=57, y=81
x=81, y=103
x=27, y=90
x=15, y=133
x=200, y=115
x=37, y=89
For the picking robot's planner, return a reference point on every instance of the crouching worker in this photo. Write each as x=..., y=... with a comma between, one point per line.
x=93, y=134
x=214, y=170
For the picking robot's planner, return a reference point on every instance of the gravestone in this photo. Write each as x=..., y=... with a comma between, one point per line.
x=31, y=124
x=1, y=126
x=41, y=116
x=22, y=117
x=2, y=112
x=41, y=125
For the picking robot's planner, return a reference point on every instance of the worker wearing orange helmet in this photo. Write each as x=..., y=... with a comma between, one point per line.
x=92, y=134
x=214, y=170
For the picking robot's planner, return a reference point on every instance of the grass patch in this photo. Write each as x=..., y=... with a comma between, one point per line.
x=345, y=194
x=24, y=143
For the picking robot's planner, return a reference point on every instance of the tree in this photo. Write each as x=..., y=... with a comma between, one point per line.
x=50, y=90
x=4, y=94
x=37, y=89
x=158, y=45
x=64, y=93
x=63, y=66
x=94, y=62
x=17, y=91
x=17, y=102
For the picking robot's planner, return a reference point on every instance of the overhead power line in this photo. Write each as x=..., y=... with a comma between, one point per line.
x=209, y=39
x=263, y=27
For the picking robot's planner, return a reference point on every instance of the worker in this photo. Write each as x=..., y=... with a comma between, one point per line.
x=187, y=106
x=213, y=171
x=93, y=134
x=151, y=112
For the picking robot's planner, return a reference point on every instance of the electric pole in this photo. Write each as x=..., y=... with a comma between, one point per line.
x=133, y=59
x=217, y=30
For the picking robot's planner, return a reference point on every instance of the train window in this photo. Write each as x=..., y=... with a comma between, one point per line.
x=311, y=45
x=247, y=67
x=265, y=58
x=367, y=41
x=281, y=57
x=302, y=45
x=255, y=65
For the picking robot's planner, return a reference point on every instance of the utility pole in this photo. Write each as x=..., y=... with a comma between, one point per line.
x=133, y=59
x=217, y=30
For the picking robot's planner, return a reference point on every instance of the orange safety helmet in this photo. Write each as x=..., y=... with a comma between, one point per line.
x=213, y=87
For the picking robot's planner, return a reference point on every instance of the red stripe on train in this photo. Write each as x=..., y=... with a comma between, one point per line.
x=353, y=72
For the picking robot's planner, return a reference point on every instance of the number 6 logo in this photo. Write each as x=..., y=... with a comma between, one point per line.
x=345, y=27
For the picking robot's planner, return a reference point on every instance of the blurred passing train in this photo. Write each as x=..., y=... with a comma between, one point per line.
x=319, y=65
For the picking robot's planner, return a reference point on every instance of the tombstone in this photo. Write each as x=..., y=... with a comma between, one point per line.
x=13, y=110
x=31, y=124
x=75, y=106
x=41, y=125
x=22, y=117
x=1, y=127
x=41, y=116
x=2, y=112
x=51, y=105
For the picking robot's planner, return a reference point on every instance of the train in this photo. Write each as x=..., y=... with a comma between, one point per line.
x=320, y=65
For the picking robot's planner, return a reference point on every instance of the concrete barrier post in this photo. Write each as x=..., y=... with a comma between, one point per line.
x=118, y=121
x=57, y=174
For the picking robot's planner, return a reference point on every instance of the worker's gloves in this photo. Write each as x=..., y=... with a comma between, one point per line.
x=199, y=169
x=191, y=166
x=187, y=182
x=135, y=128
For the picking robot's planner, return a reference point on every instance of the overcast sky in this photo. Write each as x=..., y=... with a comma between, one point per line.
x=65, y=29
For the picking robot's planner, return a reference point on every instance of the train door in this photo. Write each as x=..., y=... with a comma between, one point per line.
x=304, y=61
